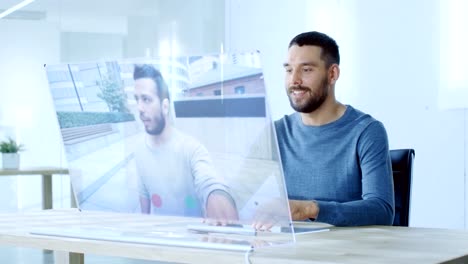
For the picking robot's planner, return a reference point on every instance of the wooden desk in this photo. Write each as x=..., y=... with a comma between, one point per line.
x=373, y=244
x=46, y=173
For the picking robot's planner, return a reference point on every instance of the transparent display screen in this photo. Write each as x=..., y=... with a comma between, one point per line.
x=184, y=136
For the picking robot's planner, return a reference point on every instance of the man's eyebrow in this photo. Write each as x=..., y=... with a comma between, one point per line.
x=302, y=64
x=309, y=64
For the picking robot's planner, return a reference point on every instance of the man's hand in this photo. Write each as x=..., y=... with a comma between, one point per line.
x=302, y=210
x=271, y=214
x=220, y=209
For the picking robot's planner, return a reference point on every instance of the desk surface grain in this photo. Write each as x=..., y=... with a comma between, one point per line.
x=371, y=244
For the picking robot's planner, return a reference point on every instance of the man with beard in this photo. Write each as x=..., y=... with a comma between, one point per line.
x=175, y=171
x=335, y=158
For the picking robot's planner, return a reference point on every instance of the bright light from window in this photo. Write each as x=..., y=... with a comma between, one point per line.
x=453, y=88
x=164, y=48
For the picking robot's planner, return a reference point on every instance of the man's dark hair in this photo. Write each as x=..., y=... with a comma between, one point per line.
x=148, y=71
x=330, y=53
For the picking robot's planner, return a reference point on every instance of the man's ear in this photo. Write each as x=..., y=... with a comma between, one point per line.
x=333, y=73
x=165, y=106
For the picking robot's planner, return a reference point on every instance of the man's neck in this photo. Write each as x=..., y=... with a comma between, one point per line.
x=325, y=114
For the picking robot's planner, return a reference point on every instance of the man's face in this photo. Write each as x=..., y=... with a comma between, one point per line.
x=149, y=106
x=306, y=78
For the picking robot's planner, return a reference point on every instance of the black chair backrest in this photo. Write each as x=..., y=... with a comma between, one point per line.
x=402, y=166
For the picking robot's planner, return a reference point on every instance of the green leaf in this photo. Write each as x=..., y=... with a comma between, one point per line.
x=10, y=146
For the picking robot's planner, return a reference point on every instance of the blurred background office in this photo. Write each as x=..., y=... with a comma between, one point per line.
x=404, y=62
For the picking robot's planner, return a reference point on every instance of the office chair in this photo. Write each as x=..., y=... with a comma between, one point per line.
x=402, y=166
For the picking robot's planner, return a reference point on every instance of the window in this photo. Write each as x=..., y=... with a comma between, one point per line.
x=239, y=89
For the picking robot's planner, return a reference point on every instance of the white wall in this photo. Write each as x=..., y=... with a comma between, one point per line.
x=187, y=27
x=25, y=101
x=99, y=46
x=390, y=69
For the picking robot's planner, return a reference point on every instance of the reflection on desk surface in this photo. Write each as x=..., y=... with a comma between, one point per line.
x=167, y=238
x=182, y=234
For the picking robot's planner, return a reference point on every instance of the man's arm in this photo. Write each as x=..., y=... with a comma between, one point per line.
x=377, y=205
x=220, y=207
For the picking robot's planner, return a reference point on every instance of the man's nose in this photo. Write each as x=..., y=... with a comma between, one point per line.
x=140, y=107
x=296, y=78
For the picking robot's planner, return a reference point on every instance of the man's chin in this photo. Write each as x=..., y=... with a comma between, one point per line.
x=149, y=130
x=297, y=106
x=154, y=132
x=306, y=109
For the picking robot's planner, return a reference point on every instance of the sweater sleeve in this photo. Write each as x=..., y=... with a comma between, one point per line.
x=205, y=177
x=377, y=205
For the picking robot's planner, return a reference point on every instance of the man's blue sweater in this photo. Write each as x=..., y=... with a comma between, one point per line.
x=344, y=166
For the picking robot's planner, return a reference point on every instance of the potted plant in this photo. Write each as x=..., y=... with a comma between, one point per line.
x=10, y=156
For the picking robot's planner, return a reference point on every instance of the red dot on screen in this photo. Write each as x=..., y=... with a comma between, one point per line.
x=156, y=200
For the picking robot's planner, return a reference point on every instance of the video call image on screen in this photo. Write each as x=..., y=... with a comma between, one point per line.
x=161, y=135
